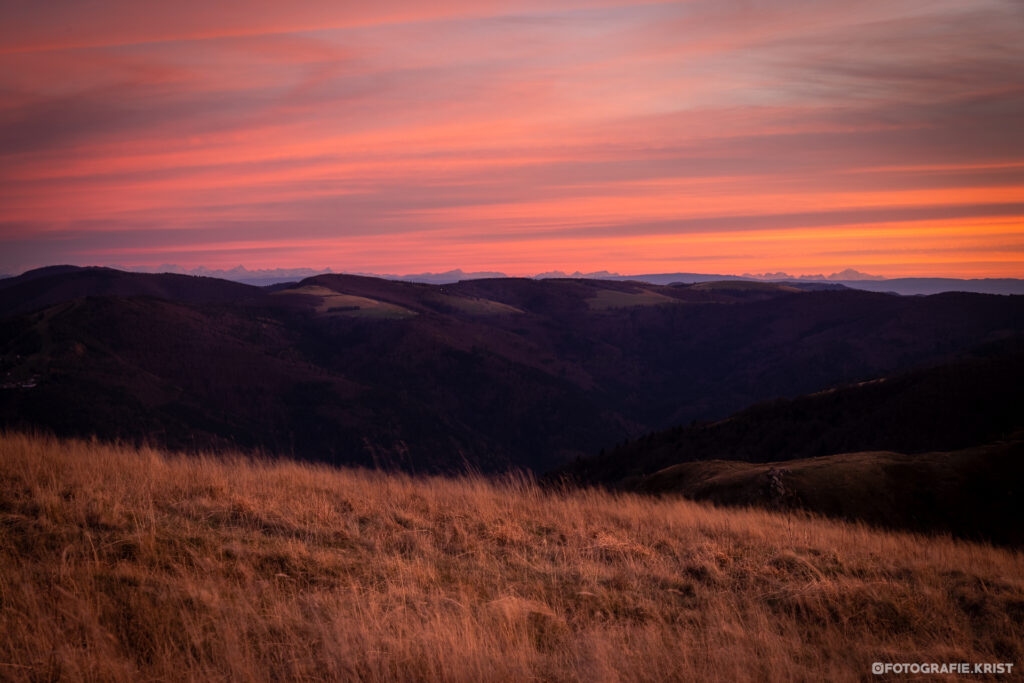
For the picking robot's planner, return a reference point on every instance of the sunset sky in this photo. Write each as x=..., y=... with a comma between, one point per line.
x=711, y=136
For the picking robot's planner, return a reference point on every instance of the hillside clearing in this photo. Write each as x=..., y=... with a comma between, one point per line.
x=606, y=299
x=349, y=305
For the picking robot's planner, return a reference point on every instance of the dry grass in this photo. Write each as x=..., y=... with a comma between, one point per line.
x=606, y=299
x=349, y=305
x=470, y=304
x=118, y=564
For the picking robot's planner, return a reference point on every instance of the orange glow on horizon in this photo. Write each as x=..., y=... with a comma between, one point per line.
x=517, y=137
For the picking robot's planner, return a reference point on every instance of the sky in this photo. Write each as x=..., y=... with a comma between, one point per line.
x=711, y=136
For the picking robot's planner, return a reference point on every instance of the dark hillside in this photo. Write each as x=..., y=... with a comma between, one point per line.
x=975, y=493
x=46, y=286
x=488, y=373
x=947, y=407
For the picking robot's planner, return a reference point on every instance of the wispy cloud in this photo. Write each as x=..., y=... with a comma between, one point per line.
x=515, y=135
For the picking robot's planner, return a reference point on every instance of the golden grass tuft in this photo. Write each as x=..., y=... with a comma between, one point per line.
x=125, y=564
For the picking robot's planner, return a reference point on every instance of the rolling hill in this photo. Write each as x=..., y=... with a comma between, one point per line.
x=945, y=407
x=56, y=284
x=488, y=374
x=937, y=449
x=973, y=493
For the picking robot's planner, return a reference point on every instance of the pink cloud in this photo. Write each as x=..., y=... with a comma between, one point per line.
x=500, y=134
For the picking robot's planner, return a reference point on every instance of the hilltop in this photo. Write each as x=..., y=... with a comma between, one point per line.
x=123, y=564
x=848, y=278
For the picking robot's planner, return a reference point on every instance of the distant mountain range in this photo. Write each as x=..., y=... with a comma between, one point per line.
x=271, y=276
x=488, y=373
x=848, y=275
x=911, y=286
x=848, y=278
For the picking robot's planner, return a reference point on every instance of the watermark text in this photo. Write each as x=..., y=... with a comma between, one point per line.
x=961, y=668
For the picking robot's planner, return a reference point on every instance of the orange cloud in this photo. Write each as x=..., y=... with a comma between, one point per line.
x=515, y=136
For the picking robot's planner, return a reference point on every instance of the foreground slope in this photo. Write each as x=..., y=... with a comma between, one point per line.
x=118, y=564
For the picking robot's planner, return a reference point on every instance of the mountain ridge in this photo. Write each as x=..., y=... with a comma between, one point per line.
x=905, y=286
x=495, y=373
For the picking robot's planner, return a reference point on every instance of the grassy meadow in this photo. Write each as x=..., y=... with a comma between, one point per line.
x=119, y=563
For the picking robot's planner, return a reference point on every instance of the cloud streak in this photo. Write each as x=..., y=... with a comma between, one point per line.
x=795, y=135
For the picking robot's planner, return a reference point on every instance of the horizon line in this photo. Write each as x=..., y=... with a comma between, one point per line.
x=851, y=274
